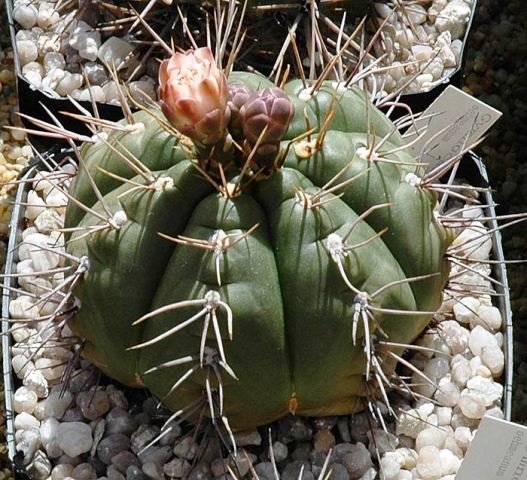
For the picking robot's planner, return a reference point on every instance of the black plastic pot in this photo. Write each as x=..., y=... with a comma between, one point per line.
x=33, y=102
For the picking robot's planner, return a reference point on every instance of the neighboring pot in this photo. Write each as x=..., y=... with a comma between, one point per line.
x=36, y=102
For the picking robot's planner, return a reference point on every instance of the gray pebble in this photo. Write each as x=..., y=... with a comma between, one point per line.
x=358, y=461
x=143, y=436
x=242, y=462
x=359, y=427
x=84, y=471
x=265, y=471
x=116, y=397
x=96, y=73
x=124, y=459
x=113, y=474
x=301, y=452
x=133, y=472
x=293, y=469
x=170, y=434
x=119, y=420
x=280, y=452
x=82, y=380
x=200, y=472
x=186, y=448
x=111, y=446
x=157, y=455
x=177, y=468
x=218, y=467
x=339, y=472
x=248, y=437
x=73, y=415
x=93, y=404
x=153, y=471
x=341, y=450
x=98, y=466
x=384, y=441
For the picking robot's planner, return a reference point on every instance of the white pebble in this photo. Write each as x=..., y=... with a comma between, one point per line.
x=465, y=309
x=35, y=206
x=62, y=471
x=461, y=370
x=487, y=316
x=453, y=18
x=390, y=467
x=444, y=415
x=47, y=15
x=410, y=423
x=49, y=220
x=455, y=336
x=494, y=359
x=52, y=60
x=95, y=91
x=24, y=400
x=86, y=40
x=472, y=405
x=429, y=463
x=49, y=436
x=416, y=14
x=448, y=393
x=27, y=51
x=479, y=338
x=463, y=437
x=70, y=82
x=111, y=92
x=449, y=462
x=422, y=53
x=52, y=369
x=75, y=438
x=114, y=52
x=474, y=241
x=25, y=14
x=22, y=307
x=490, y=390
x=34, y=380
x=25, y=421
x=21, y=365
x=430, y=436
x=55, y=405
x=436, y=368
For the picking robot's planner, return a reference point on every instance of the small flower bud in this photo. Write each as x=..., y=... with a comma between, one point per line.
x=269, y=110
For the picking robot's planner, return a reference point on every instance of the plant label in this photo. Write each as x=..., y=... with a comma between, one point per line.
x=498, y=452
x=449, y=127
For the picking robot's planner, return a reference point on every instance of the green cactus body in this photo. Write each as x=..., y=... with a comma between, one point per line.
x=280, y=278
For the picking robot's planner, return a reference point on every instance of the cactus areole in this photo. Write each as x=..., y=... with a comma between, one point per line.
x=258, y=251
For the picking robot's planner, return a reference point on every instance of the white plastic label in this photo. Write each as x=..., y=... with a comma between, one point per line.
x=449, y=126
x=498, y=451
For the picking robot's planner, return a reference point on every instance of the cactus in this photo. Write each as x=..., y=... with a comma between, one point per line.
x=280, y=267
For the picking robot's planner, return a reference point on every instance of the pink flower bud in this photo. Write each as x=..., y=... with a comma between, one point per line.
x=193, y=93
x=269, y=109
